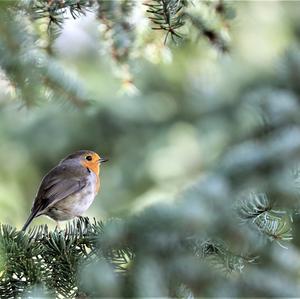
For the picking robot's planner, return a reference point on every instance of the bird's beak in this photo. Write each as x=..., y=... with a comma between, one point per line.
x=102, y=160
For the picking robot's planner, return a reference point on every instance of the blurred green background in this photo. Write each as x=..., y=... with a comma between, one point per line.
x=152, y=127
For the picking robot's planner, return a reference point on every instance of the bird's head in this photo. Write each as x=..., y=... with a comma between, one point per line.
x=86, y=158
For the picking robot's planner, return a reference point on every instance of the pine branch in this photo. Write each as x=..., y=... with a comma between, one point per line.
x=53, y=259
x=55, y=10
x=16, y=57
x=58, y=85
x=119, y=31
x=173, y=15
x=272, y=223
x=212, y=34
x=21, y=262
x=57, y=260
x=167, y=15
x=219, y=256
x=33, y=74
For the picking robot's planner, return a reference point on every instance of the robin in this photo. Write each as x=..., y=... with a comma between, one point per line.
x=68, y=189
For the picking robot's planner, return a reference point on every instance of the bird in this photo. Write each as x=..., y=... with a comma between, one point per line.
x=68, y=189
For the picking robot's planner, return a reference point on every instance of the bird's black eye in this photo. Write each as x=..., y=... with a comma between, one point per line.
x=89, y=158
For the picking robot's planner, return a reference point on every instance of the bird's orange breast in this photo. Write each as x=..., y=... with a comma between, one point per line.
x=97, y=184
x=94, y=167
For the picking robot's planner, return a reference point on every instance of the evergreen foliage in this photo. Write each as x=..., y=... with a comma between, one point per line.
x=29, y=63
x=232, y=233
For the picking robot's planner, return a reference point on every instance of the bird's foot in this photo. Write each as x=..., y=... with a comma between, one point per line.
x=58, y=227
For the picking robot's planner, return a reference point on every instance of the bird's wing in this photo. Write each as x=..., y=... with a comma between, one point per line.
x=56, y=186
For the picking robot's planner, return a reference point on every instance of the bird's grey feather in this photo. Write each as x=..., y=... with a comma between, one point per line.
x=57, y=185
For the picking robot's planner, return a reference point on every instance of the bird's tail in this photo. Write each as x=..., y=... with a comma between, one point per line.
x=28, y=221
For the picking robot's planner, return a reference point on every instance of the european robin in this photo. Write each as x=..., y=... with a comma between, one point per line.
x=68, y=189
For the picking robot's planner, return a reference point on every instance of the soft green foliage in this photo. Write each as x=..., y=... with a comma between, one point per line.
x=204, y=146
x=29, y=70
x=93, y=259
x=53, y=261
x=28, y=29
x=172, y=15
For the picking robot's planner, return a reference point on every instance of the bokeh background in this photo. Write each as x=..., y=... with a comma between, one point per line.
x=153, y=126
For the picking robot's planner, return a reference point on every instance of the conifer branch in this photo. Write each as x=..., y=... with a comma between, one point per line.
x=55, y=10
x=272, y=223
x=167, y=15
x=55, y=259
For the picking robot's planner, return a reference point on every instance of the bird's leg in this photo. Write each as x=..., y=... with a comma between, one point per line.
x=58, y=225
